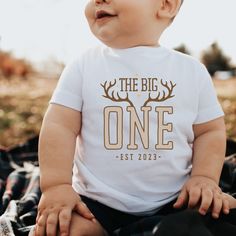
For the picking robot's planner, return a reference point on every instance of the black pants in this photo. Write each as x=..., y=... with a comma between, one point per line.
x=112, y=219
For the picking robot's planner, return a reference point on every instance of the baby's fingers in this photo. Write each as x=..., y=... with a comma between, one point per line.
x=52, y=222
x=40, y=229
x=194, y=197
x=217, y=205
x=182, y=199
x=226, y=205
x=83, y=210
x=64, y=221
x=207, y=198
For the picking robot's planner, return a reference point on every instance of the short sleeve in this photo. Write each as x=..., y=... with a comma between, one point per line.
x=68, y=91
x=209, y=107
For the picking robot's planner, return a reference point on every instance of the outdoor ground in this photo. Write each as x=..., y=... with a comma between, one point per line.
x=23, y=103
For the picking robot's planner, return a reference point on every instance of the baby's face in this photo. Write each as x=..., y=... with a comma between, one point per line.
x=123, y=23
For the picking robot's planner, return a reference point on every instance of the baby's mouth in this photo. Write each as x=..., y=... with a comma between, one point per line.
x=103, y=14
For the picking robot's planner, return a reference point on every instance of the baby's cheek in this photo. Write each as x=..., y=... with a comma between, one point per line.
x=89, y=11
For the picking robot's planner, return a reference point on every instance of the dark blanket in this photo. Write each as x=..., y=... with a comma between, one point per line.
x=20, y=194
x=191, y=223
x=184, y=223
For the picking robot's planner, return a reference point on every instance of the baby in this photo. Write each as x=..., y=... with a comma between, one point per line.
x=139, y=125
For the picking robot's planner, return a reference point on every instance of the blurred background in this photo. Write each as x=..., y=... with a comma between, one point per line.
x=38, y=37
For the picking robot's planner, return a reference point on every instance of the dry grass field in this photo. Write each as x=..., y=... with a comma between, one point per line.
x=23, y=103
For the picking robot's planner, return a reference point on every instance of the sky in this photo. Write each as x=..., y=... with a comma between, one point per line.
x=57, y=29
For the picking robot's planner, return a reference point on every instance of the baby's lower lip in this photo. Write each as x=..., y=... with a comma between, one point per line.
x=105, y=18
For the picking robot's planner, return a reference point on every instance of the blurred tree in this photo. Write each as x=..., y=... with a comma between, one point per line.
x=182, y=48
x=215, y=60
x=11, y=66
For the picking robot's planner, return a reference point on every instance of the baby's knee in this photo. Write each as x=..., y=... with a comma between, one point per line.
x=84, y=227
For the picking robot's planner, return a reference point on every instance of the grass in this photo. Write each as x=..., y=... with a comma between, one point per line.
x=23, y=104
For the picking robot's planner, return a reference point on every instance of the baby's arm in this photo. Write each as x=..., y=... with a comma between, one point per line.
x=208, y=157
x=60, y=128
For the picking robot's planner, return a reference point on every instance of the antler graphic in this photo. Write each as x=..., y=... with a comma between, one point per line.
x=112, y=96
x=164, y=97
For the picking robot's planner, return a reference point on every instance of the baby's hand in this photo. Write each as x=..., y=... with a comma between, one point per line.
x=55, y=209
x=203, y=192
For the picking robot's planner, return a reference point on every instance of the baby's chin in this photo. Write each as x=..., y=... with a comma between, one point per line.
x=111, y=42
x=114, y=39
x=118, y=45
x=121, y=44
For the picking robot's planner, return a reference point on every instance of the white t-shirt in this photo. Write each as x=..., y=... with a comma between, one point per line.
x=138, y=107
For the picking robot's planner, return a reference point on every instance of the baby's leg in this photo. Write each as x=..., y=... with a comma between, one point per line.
x=81, y=227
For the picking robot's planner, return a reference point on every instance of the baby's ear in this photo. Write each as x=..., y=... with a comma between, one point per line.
x=169, y=8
